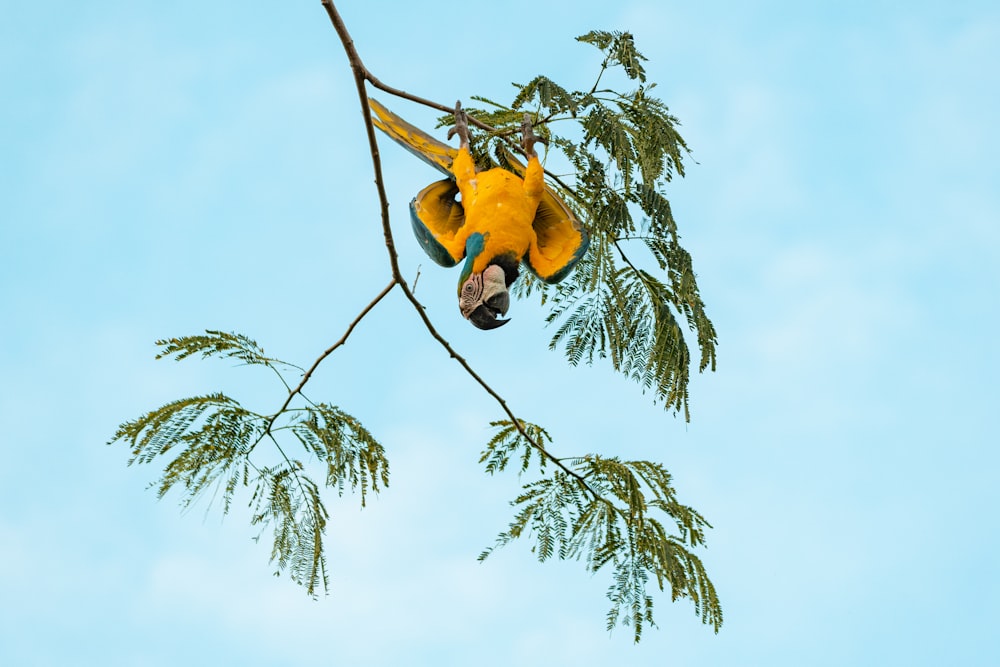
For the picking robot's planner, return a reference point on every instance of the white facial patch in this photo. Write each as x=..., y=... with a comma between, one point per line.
x=494, y=279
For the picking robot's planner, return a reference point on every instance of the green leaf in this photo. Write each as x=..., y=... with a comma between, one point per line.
x=508, y=440
x=351, y=454
x=218, y=447
x=607, y=130
x=620, y=50
x=548, y=95
x=609, y=512
x=214, y=343
x=289, y=501
x=628, y=320
x=157, y=431
x=659, y=146
x=599, y=38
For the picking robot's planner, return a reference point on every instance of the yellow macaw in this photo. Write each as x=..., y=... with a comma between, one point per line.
x=503, y=219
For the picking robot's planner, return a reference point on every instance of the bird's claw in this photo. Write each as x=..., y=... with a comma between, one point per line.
x=461, y=127
x=529, y=138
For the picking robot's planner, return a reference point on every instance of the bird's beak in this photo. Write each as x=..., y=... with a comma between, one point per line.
x=485, y=317
x=495, y=303
x=498, y=301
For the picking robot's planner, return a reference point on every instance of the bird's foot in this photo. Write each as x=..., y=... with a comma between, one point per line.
x=529, y=138
x=461, y=127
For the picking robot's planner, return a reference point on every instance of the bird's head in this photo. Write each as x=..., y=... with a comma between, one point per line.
x=483, y=298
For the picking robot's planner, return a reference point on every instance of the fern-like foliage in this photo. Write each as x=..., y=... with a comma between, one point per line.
x=214, y=343
x=289, y=501
x=506, y=443
x=609, y=513
x=351, y=454
x=623, y=149
x=208, y=442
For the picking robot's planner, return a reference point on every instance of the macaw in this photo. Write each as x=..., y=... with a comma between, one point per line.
x=502, y=220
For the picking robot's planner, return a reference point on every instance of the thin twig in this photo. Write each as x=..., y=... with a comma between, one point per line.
x=343, y=339
x=326, y=353
x=489, y=390
x=374, y=80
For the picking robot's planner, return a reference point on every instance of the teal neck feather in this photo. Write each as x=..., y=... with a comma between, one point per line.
x=473, y=247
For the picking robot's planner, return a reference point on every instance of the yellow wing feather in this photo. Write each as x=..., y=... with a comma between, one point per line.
x=413, y=139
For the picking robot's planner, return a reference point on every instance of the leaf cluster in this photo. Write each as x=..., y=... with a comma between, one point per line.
x=636, y=292
x=611, y=513
x=208, y=442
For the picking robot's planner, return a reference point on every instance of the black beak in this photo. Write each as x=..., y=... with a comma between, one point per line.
x=499, y=302
x=485, y=317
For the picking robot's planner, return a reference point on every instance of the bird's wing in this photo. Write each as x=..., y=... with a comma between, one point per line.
x=413, y=139
x=437, y=217
x=437, y=220
x=562, y=238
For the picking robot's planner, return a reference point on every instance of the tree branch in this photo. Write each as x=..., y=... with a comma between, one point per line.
x=343, y=339
x=326, y=353
x=361, y=74
x=489, y=390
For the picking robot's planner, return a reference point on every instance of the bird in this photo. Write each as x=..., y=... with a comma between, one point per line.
x=496, y=220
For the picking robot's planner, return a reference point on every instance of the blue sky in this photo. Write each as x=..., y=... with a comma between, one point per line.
x=169, y=168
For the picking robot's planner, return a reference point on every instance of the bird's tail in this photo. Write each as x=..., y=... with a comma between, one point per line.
x=413, y=139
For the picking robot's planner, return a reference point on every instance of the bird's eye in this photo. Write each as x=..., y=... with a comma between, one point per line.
x=469, y=287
